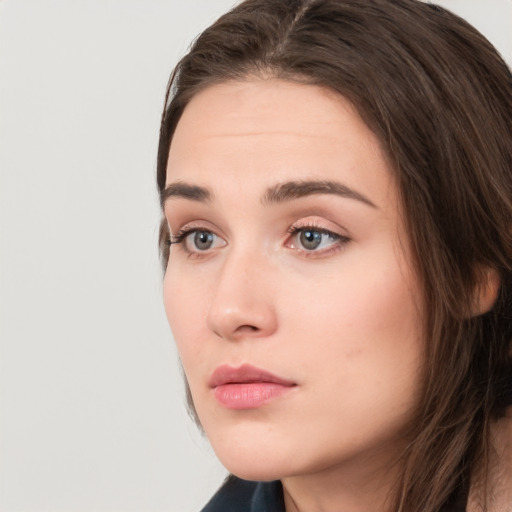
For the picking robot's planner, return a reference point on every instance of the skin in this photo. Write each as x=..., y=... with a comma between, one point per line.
x=342, y=321
x=493, y=492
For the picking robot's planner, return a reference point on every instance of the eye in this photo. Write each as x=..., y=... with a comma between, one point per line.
x=201, y=240
x=311, y=240
x=197, y=240
x=315, y=240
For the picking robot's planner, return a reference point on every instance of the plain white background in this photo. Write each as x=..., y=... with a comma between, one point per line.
x=92, y=414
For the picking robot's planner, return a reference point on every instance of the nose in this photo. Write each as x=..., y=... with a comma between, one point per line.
x=243, y=300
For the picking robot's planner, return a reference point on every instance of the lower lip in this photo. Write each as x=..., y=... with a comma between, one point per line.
x=249, y=395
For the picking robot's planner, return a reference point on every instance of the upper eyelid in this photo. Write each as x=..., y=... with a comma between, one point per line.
x=312, y=227
x=320, y=225
x=195, y=225
x=311, y=221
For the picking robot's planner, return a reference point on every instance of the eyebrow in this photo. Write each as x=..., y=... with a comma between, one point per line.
x=276, y=194
x=297, y=189
x=185, y=191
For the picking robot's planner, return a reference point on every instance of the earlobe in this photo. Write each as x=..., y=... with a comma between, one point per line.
x=486, y=292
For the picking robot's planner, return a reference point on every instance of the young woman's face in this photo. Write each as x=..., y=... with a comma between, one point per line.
x=289, y=288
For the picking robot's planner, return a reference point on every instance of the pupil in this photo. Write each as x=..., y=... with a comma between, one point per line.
x=203, y=240
x=310, y=239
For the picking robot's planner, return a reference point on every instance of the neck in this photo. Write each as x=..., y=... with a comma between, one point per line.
x=355, y=486
x=491, y=490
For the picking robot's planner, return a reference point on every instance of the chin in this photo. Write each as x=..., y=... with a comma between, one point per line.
x=248, y=470
x=251, y=456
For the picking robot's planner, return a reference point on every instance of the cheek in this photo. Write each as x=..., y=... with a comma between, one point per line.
x=184, y=306
x=362, y=365
x=365, y=323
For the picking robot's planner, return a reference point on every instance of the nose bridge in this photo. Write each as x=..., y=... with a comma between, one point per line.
x=241, y=303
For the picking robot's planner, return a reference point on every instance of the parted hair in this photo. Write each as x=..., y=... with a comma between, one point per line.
x=439, y=98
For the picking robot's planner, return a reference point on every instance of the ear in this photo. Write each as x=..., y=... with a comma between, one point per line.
x=486, y=291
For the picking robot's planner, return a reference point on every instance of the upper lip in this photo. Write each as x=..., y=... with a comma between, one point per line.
x=246, y=373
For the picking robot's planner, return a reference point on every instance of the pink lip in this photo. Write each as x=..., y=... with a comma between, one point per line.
x=246, y=387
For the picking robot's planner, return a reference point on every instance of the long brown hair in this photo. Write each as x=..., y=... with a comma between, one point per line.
x=439, y=98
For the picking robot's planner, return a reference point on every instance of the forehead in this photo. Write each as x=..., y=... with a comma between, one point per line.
x=261, y=107
x=251, y=104
x=259, y=130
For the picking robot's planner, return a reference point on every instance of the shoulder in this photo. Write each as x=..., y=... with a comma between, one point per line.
x=237, y=495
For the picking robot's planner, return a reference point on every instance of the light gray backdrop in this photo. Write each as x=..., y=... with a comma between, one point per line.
x=92, y=415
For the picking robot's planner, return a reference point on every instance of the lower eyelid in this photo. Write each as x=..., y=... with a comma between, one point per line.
x=324, y=253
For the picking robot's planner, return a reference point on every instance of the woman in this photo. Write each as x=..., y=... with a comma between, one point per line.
x=335, y=177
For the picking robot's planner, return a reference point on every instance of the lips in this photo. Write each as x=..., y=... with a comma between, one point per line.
x=247, y=387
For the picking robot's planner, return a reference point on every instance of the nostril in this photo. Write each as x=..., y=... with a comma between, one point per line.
x=247, y=328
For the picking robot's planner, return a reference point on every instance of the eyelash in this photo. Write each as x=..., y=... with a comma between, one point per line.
x=182, y=234
x=339, y=241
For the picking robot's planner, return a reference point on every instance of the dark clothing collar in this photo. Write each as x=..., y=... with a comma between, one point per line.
x=237, y=495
